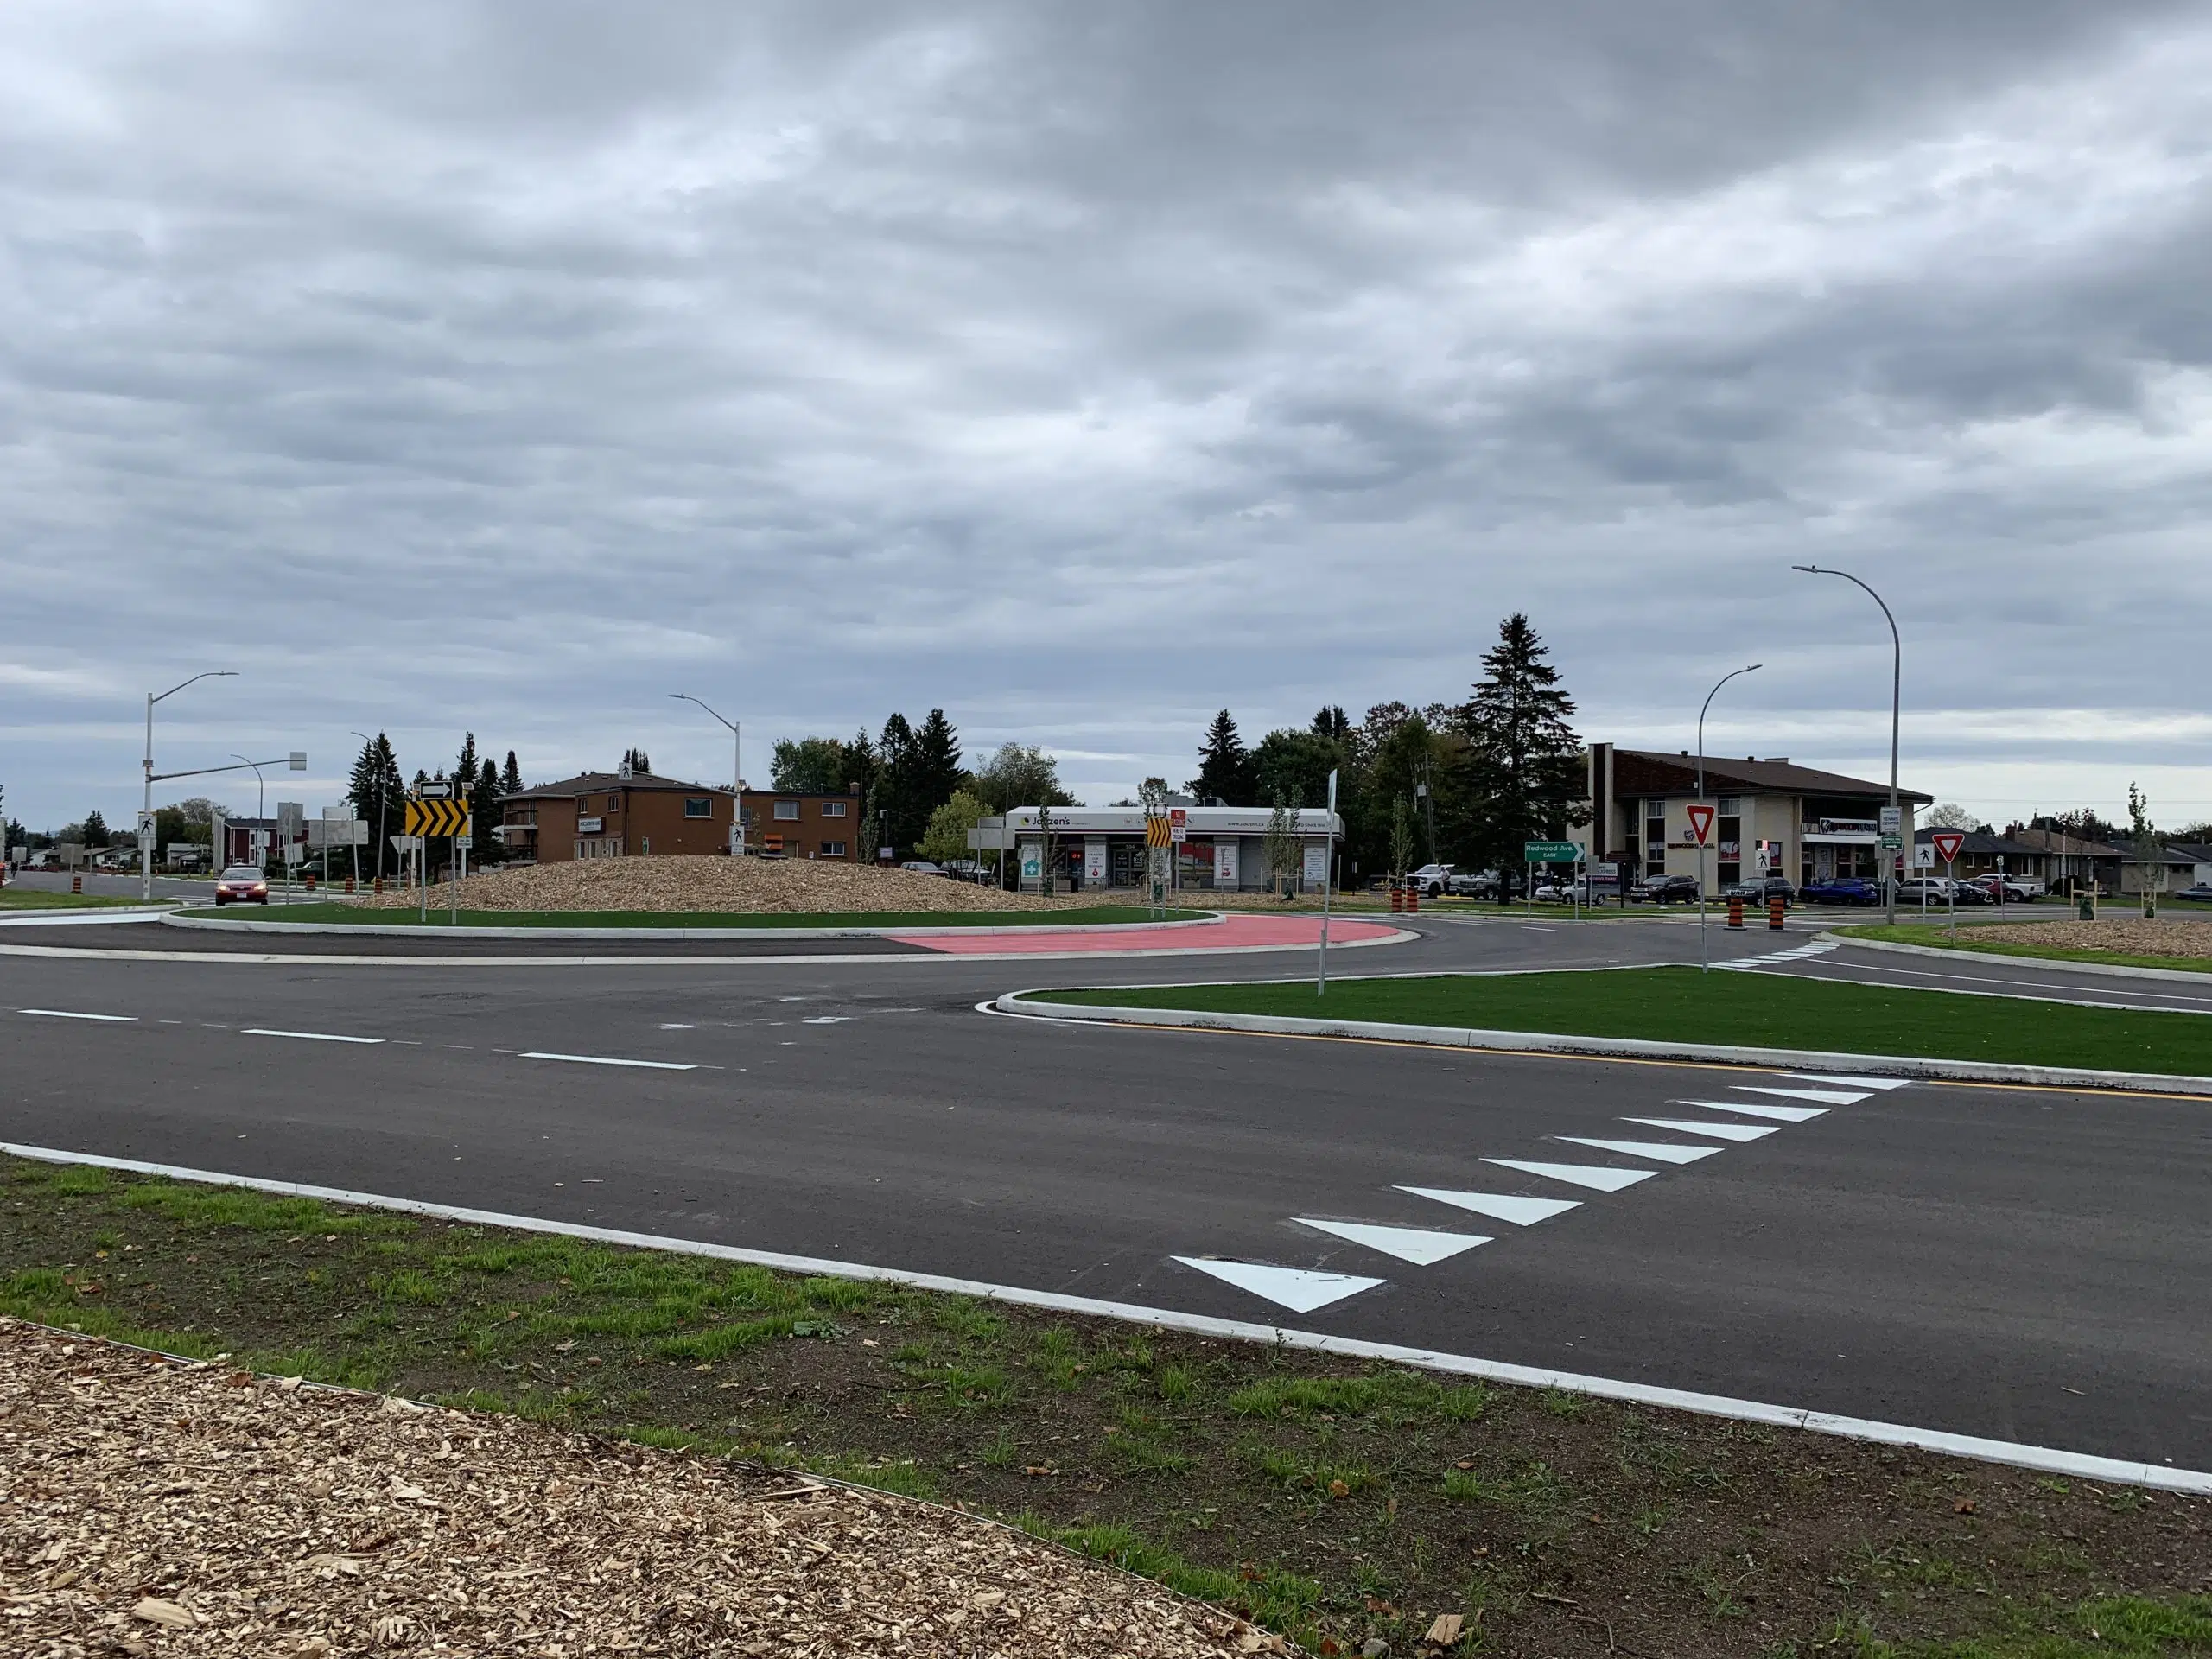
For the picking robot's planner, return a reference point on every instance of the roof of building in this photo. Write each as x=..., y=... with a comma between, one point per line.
x=2197, y=851
x=1750, y=777
x=1983, y=843
x=597, y=783
x=2066, y=846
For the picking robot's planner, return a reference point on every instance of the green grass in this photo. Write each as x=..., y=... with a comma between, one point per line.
x=319, y=911
x=1682, y=1005
x=1941, y=939
x=14, y=898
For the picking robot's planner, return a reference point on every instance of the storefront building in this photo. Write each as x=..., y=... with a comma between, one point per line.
x=1771, y=817
x=1223, y=848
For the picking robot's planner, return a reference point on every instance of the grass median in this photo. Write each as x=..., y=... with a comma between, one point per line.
x=14, y=898
x=1762, y=1011
x=1339, y=1503
x=1969, y=939
x=323, y=912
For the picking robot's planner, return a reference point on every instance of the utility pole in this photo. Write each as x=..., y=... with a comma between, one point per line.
x=1896, y=689
x=1704, y=943
x=736, y=774
x=145, y=846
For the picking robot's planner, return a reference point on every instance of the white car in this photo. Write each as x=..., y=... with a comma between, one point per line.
x=923, y=866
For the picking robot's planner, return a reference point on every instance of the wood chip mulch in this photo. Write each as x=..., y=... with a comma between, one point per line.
x=691, y=881
x=155, y=1507
x=2135, y=935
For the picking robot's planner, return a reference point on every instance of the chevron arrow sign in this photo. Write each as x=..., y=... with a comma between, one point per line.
x=437, y=818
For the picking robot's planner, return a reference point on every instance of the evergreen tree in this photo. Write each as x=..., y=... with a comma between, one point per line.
x=511, y=778
x=1224, y=768
x=1333, y=723
x=464, y=769
x=637, y=760
x=1522, y=776
x=899, y=825
x=380, y=797
x=483, y=814
x=95, y=828
x=937, y=772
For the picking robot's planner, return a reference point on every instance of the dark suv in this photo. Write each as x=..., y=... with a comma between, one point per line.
x=1758, y=893
x=1665, y=890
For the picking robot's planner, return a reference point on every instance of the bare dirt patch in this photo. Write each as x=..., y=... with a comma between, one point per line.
x=157, y=1507
x=2132, y=935
x=692, y=882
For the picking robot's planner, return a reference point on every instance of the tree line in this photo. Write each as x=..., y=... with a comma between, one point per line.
x=1468, y=783
x=377, y=791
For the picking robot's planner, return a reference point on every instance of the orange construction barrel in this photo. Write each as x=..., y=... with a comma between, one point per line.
x=1736, y=910
x=1774, y=907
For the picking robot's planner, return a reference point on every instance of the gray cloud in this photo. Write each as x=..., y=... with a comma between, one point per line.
x=505, y=366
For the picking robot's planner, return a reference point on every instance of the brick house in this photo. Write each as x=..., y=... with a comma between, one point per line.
x=640, y=813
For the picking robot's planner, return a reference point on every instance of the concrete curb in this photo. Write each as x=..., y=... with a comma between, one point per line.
x=1538, y=1042
x=2109, y=970
x=416, y=930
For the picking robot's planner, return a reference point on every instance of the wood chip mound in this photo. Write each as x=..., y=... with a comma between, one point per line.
x=158, y=1507
x=691, y=881
x=2130, y=936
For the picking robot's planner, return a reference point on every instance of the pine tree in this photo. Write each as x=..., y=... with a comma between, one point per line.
x=637, y=760
x=484, y=817
x=896, y=787
x=464, y=769
x=379, y=794
x=938, y=773
x=511, y=778
x=1224, y=768
x=1522, y=772
x=95, y=830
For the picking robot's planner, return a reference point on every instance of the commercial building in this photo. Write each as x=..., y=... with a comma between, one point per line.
x=1093, y=848
x=628, y=814
x=1771, y=817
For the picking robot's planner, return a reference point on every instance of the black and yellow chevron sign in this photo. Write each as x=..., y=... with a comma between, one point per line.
x=1158, y=832
x=437, y=817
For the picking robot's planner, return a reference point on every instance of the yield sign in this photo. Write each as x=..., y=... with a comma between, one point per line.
x=1948, y=842
x=1701, y=823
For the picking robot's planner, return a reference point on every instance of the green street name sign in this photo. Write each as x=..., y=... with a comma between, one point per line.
x=1552, y=852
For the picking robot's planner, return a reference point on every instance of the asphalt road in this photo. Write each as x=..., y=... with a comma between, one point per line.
x=2032, y=1265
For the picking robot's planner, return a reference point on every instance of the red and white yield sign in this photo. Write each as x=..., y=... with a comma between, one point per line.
x=1948, y=842
x=1701, y=823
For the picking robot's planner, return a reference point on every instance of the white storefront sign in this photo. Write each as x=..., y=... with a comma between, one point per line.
x=1317, y=866
x=1033, y=861
x=1094, y=861
x=1224, y=863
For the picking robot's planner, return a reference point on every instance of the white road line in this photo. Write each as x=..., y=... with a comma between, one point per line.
x=2013, y=1453
x=65, y=1014
x=1300, y=1289
x=307, y=1036
x=1718, y=1131
x=1597, y=1176
x=1851, y=1083
x=1422, y=1246
x=1826, y=1097
x=1660, y=1152
x=1499, y=1206
x=601, y=1059
x=1747, y=1109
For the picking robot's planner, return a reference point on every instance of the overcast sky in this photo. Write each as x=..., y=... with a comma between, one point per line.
x=1082, y=369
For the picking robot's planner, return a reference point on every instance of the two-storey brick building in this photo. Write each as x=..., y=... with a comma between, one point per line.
x=638, y=814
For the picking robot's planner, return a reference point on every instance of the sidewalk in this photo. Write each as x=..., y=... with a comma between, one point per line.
x=158, y=1507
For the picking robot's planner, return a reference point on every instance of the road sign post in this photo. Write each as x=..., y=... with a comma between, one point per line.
x=1701, y=832
x=1947, y=844
x=1321, y=976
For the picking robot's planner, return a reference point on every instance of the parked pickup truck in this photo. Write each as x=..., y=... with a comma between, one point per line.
x=1433, y=880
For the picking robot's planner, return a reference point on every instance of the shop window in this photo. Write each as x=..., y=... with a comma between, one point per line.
x=697, y=806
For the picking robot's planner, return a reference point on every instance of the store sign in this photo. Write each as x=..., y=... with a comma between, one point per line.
x=1225, y=864
x=590, y=826
x=1094, y=861
x=1033, y=861
x=1317, y=866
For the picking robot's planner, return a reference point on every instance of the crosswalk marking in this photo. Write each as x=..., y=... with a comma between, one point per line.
x=1753, y=1109
x=1826, y=1097
x=1300, y=1289
x=1662, y=1152
x=1798, y=953
x=1718, y=1131
x=1499, y=1206
x=1420, y=1245
x=1597, y=1176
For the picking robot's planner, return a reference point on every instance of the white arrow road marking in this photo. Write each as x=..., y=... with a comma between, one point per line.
x=1855, y=1083
x=1591, y=1175
x=1659, y=1151
x=1499, y=1206
x=1748, y=1109
x=1718, y=1131
x=1422, y=1246
x=1826, y=1097
x=64, y=1014
x=601, y=1059
x=1300, y=1289
x=307, y=1036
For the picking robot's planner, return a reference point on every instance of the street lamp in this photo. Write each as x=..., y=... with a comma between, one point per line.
x=1704, y=950
x=1896, y=687
x=260, y=785
x=145, y=841
x=736, y=774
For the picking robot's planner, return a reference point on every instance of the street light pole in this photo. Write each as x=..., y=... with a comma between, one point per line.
x=1896, y=689
x=1704, y=946
x=146, y=846
x=260, y=786
x=375, y=759
x=737, y=769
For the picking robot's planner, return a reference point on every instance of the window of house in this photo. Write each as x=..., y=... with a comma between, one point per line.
x=1655, y=837
x=614, y=803
x=833, y=809
x=697, y=806
x=833, y=849
x=787, y=812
